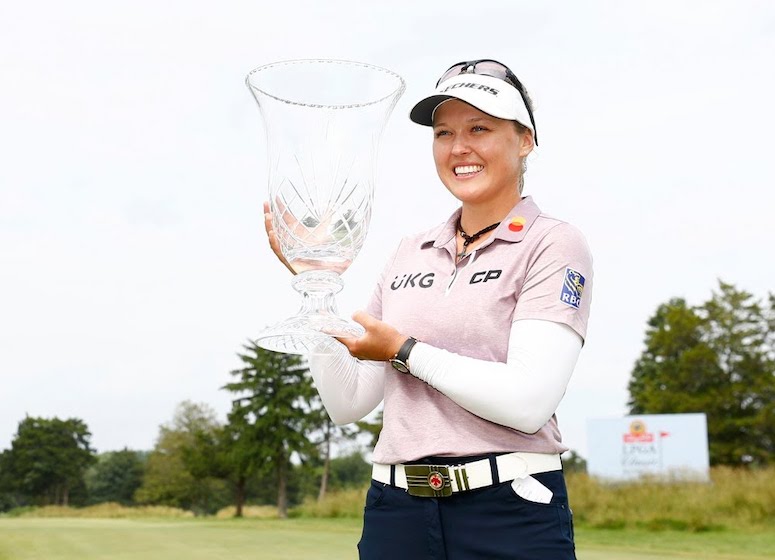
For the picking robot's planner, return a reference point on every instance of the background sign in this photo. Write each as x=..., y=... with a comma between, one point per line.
x=662, y=445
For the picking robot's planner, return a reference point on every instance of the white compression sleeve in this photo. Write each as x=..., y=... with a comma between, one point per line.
x=524, y=392
x=349, y=388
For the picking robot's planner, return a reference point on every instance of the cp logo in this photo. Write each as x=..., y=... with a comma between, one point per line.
x=485, y=275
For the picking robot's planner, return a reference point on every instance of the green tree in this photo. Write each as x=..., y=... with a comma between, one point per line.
x=274, y=417
x=573, y=462
x=48, y=459
x=116, y=476
x=331, y=434
x=373, y=429
x=9, y=496
x=225, y=454
x=168, y=479
x=350, y=471
x=715, y=358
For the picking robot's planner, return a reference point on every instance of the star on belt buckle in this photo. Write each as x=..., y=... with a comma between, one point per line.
x=428, y=481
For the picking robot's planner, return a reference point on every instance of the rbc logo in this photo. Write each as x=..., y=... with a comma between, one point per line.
x=572, y=288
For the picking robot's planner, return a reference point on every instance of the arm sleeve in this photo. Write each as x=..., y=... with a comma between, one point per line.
x=349, y=388
x=524, y=392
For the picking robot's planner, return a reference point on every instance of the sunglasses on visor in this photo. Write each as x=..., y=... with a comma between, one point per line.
x=494, y=69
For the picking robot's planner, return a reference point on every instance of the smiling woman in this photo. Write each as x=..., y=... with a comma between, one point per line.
x=472, y=335
x=479, y=158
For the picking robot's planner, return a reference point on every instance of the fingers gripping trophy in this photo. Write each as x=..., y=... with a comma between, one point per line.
x=323, y=121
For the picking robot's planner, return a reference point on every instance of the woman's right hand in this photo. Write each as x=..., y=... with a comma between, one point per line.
x=274, y=243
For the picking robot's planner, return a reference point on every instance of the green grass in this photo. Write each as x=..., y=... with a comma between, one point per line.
x=166, y=539
x=631, y=544
x=732, y=518
x=318, y=539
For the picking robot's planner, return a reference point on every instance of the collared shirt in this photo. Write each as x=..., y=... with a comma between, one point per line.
x=532, y=266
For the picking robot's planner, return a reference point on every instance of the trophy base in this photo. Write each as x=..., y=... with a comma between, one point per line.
x=302, y=333
x=316, y=322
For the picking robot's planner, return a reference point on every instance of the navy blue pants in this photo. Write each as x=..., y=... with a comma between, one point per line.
x=488, y=523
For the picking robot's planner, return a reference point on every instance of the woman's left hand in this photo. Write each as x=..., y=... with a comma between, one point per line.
x=380, y=343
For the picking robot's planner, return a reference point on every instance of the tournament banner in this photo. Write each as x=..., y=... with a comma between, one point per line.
x=662, y=446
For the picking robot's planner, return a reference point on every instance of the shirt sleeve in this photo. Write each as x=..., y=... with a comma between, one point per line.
x=558, y=280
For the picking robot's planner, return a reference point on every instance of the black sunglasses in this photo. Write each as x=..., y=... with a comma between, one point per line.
x=494, y=69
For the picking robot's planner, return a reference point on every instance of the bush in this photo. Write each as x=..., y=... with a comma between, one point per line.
x=735, y=498
x=10, y=501
x=18, y=511
x=341, y=503
x=251, y=512
x=109, y=510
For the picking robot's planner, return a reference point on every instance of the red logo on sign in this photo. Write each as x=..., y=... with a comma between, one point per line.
x=638, y=433
x=435, y=480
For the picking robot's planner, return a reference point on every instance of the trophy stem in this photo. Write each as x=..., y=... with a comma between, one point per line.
x=318, y=288
x=316, y=320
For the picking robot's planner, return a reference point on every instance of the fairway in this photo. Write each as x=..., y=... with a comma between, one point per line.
x=304, y=539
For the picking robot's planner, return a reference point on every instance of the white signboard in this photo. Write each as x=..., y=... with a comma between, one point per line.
x=657, y=445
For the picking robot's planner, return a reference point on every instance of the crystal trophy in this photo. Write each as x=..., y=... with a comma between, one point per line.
x=323, y=121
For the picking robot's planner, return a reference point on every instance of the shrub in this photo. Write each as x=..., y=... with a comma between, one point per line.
x=251, y=512
x=734, y=498
x=342, y=503
x=108, y=510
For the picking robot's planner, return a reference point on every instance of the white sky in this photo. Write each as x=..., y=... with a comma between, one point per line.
x=133, y=263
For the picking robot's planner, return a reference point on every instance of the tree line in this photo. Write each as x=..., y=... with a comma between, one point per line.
x=275, y=447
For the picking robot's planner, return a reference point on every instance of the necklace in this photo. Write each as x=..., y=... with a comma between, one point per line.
x=468, y=239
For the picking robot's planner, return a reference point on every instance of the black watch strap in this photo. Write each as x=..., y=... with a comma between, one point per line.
x=401, y=360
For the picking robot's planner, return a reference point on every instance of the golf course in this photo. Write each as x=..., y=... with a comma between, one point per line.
x=324, y=539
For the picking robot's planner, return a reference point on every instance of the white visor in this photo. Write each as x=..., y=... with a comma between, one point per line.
x=490, y=95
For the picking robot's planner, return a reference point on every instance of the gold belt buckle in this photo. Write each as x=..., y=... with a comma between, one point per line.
x=428, y=481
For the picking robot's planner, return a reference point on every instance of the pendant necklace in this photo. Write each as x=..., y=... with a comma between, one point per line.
x=468, y=239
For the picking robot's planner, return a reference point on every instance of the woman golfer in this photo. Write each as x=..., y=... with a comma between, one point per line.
x=472, y=335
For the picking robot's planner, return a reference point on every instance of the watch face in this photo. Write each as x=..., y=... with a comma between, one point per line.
x=399, y=365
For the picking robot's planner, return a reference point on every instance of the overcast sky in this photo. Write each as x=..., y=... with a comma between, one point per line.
x=133, y=263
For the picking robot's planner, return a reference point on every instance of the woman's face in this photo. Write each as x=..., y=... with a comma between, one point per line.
x=478, y=157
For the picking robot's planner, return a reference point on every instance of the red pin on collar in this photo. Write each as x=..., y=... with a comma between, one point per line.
x=517, y=223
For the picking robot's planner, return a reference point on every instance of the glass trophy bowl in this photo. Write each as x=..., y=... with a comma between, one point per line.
x=323, y=121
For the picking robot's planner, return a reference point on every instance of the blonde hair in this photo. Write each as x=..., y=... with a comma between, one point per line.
x=522, y=129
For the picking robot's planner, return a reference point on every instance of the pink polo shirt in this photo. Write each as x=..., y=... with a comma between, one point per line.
x=531, y=267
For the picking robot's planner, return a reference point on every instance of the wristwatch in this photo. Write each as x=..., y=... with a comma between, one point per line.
x=401, y=360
